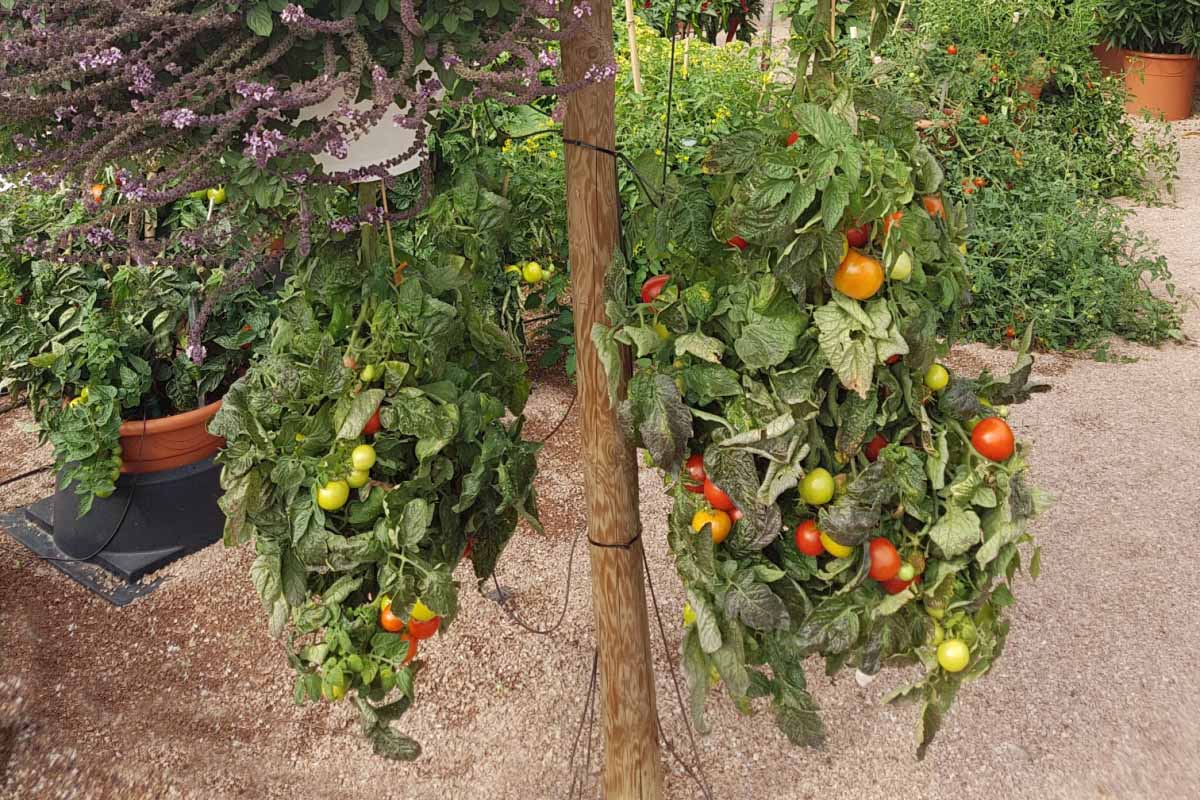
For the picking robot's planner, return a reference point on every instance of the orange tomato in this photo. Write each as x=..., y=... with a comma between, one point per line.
x=387, y=620
x=889, y=220
x=719, y=523
x=983, y=119
x=934, y=206
x=98, y=193
x=858, y=276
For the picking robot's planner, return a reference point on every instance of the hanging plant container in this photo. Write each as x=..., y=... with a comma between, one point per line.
x=1160, y=83
x=164, y=506
x=155, y=445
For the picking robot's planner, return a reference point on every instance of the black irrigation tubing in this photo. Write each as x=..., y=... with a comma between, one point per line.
x=589, y=711
x=29, y=473
x=694, y=770
x=562, y=615
x=567, y=413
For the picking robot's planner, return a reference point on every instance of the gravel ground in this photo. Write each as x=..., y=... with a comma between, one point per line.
x=183, y=695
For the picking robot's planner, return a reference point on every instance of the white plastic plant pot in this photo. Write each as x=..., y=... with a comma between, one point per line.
x=383, y=141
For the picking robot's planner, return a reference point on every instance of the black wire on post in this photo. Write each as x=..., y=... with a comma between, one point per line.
x=670, y=92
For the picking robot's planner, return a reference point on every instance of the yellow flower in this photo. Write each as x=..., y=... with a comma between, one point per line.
x=508, y=146
x=658, y=151
x=553, y=154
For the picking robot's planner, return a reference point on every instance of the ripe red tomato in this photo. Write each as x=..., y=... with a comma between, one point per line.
x=387, y=620
x=695, y=467
x=979, y=183
x=858, y=237
x=808, y=538
x=373, y=425
x=793, y=137
x=893, y=360
x=951, y=50
x=715, y=497
x=737, y=242
x=1010, y=332
x=19, y=300
x=423, y=630
x=874, y=447
x=896, y=586
x=983, y=119
x=412, y=646
x=653, y=287
x=993, y=439
x=885, y=561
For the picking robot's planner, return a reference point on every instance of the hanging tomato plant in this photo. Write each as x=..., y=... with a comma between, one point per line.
x=363, y=489
x=868, y=520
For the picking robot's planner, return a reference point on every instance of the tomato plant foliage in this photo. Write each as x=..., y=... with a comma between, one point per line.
x=772, y=374
x=450, y=471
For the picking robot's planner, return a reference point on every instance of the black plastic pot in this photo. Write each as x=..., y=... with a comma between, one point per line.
x=150, y=521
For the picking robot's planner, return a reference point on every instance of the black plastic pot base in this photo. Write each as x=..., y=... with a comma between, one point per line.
x=20, y=525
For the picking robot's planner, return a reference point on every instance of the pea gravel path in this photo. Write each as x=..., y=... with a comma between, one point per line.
x=1098, y=695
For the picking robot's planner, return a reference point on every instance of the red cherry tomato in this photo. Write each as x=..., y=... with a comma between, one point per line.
x=412, y=646
x=893, y=359
x=896, y=586
x=715, y=497
x=695, y=467
x=951, y=50
x=983, y=119
x=373, y=425
x=808, y=538
x=885, y=561
x=873, y=448
x=387, y=620
x=736, y=515
x=858, y=237
x=653, y=287
x=793, y=137
x=423, y=630
x=737, y=242
x=993, y=439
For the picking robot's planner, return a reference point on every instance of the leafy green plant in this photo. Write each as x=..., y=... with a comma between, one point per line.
x=92, y=344
x=1031, y=138
x=777, y=391
x=736, y=19
x=1151, y=26
x=422, y=379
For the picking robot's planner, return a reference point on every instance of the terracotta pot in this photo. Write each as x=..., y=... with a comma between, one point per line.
x=155, y=445
x=1112, y=59
x=1159, y=83
x=1034, y=88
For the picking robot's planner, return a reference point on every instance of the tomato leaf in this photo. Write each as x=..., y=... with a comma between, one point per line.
x=796, y=715
x=832, y=627
x=696, y=669
x=755, y=604
x=957, y=531
x=655, y=416
x=707, y=627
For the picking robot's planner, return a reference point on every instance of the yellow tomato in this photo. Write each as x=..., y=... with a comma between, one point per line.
x=421, y=612
x=358, y=478
x=953, y=655
x=833, y=548
x=333, y=495
x=719, y=523
x=363, y=457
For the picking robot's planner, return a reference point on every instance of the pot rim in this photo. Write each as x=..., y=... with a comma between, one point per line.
x=1161, y=56
x=187, y=419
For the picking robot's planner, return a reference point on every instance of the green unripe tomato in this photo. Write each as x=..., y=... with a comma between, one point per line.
x=363, y=457
x=906, y=573
x=333, y=495
x=369, y=373
x=902, y=269
x=817, y=487
x=953, y=655
x=358, y=478
x=937, y=377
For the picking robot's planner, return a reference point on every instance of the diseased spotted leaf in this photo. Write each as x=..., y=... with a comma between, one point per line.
x=957, y=531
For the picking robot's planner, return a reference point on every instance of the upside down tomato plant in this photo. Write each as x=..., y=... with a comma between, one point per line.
x=357, y=579
x=867, y=519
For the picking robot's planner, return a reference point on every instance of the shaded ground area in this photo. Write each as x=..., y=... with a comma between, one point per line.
x=183, y=694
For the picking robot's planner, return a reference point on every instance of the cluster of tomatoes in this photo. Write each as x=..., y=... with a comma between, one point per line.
x=991, y=437
x=422, y=623
x=334, y=494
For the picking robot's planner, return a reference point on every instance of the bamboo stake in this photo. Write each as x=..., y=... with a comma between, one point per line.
x=635, y=65
x=632, y=763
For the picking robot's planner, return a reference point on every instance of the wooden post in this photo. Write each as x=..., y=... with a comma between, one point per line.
x=635, y=65
x=633, y=763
